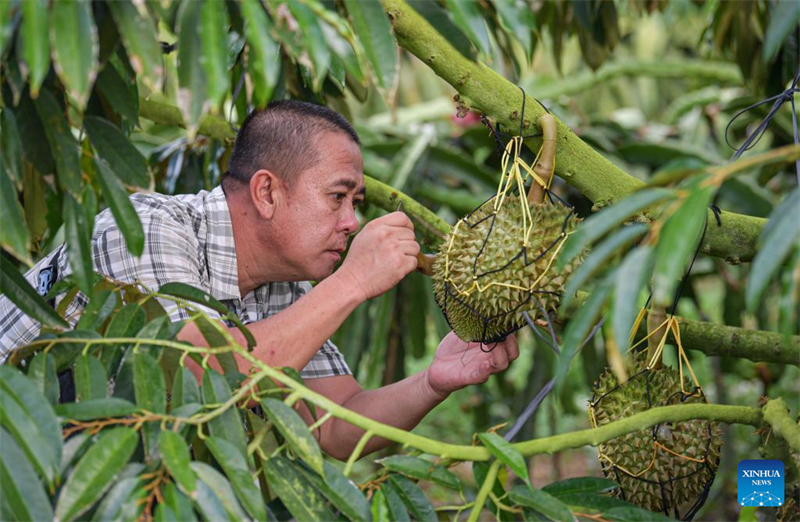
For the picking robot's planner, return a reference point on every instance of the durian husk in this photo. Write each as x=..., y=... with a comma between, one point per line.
x=696, y=439
x=499, y=306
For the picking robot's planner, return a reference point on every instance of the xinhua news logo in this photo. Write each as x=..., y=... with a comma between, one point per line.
x=761, y=483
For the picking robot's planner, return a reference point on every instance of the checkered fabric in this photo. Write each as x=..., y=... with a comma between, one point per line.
x=188, y=239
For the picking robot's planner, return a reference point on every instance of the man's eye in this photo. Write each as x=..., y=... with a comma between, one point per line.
x=340, y=196
x=358, y=203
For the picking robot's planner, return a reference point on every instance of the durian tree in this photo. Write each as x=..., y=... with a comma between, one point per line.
x=101, y=99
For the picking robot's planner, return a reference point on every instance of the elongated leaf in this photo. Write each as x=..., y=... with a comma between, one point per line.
x=13, y=234
x=213, y=32
x=295, y=432
x=62, y=143
x=780, y=235
x=191, y=76
x=600, y=224
x=22, y=294
x=180, y=505
x=151, y=394
x=95, y=472
x=118, y=94
x=121, y=207
x=208, y=504
x=374, y=31
x=599, y=258
x=299, y=497
x=238, y=472
x=517, y=21
x=543, y=502
x=120, y=154
x=440, y=20
x=631, y=277
x=340, y=491
x=11, y=146
x=677, y=242
x=221, y=488
x=127, y=321
x=175, y=454
x=227, y=426
x=414, y=467
x=782, y=21
x=79, y=247
x=75, y=50
x=110, y=507
x=42, y=371
x=314, y=42
x=580, y=485
x=8, y=24
x=397, y=508
x=446, y=478
x=96, y=409
x=184, y=388
x=138, y=33
x=413, y=497
x=506, y=454
x=90, y=378
x=466, y=14
x=193, y=294
x=35, y=44
x=27, y=415
x=588, y=502
x=263, y=58
x=633, y=514
x=380, y=508
x=23, y=495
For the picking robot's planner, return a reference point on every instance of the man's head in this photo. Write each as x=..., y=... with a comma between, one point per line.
x=294, y=177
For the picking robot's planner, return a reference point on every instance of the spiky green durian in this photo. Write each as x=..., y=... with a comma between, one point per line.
x=684, y=479
x=501, y=263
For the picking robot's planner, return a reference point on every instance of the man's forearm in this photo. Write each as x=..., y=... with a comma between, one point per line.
x=402, y=404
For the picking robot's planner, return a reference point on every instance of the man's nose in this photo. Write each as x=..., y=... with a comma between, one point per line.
x=349, y=222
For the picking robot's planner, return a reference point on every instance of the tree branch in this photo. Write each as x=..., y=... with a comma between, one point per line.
x=486, y=91
x=776, y=414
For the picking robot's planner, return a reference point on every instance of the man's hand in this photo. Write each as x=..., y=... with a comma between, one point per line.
x=458, y=364
x=382, y=254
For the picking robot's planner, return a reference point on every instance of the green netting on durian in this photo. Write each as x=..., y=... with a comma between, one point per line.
x=670, y=467
x=500, y=258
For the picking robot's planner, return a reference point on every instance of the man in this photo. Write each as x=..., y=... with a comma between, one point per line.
x=281, y=218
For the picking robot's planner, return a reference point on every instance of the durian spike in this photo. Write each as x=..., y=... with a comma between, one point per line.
x=656, y=320
x=546, y=160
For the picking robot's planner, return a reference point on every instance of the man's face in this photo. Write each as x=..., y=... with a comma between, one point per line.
x=319, y=213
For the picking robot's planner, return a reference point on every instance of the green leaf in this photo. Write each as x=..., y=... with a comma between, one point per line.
x=398, y=512
x=299, y=497
x=506, y=453
x=784, y=18
x=10, y=146
x=121, y=207
x=372, y=27
x=414, y=467
x=598, y=225
x=213, y=33
x=8, y=24
x=78, y=237
x=176, y=457
x=440, y=20
x=780, y=235
x=208, y=504
x=42, y=371
x=313, y=41
x=446, y=478
x=90, y=378
x=631, y=277
x=96, y=409
x=111, y=506
x=138, y=33
x=180, y=505
x=543, y=502
x=95, y=472
x=221, y=489
x=263, y=57
x=113, y=147
x=467, y=15
x=634, y=514
x=13, y=234
x=35, y=51
x=126, y=322
x=599, y=258
x=517, y=21
x=191, y=77
x=74, y=39
x=114, y=89
x=342, y=493
x=380, y=508
x=228, y=425
x=591, y=502
x=580, y=485
x=151, y=394
x=238, y=472
x=62, y=143
x=23, y=496
x=295, y=431
x=27, y=415
x=413, y=497
x=22, y=294
x=184, y=388
x=677, y=241
x=101, y=305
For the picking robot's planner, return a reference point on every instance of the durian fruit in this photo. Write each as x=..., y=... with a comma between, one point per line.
x=501, y=261
x=684, y=480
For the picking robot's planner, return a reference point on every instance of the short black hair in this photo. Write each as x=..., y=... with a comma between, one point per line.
x=280, y=138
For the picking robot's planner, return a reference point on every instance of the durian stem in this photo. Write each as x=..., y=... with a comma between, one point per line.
x=425, y=263
x=546, y=160
x=483, y=493
x=655, y=320
x=776, y=414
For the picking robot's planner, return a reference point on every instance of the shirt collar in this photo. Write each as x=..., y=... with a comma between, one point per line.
x=220, y=247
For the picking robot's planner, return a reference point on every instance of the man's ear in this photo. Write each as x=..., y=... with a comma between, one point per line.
x=266, y=190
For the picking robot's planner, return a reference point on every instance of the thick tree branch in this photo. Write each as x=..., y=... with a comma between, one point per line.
x=776, y=414
x=484, y=90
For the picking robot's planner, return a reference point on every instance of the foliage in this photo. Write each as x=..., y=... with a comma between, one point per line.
x=104, y=98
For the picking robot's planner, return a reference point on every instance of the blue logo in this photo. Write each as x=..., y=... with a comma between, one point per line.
x=761, y=483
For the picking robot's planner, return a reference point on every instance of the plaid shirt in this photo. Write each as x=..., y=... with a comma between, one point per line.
x=189, y=239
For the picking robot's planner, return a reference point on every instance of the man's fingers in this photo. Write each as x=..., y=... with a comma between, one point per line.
x=397, y=219
x=499, y=359
x=512, y=348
